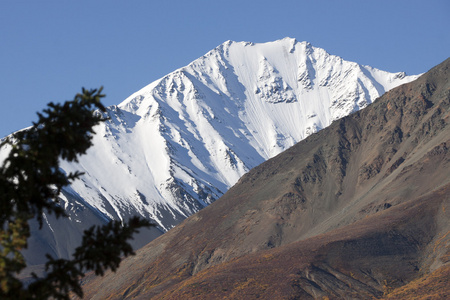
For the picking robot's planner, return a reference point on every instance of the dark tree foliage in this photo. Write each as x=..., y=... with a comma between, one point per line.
x=30, y=182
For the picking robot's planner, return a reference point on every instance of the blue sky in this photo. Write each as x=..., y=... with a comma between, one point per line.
x=50, y=49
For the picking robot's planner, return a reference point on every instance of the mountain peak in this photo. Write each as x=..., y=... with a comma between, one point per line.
x=180, y=143
x=197, y=130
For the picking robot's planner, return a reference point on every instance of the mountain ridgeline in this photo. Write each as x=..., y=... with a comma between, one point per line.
x=180, y=143
x=357, y=210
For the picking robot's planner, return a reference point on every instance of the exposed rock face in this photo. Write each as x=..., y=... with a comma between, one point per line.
x=355, y=211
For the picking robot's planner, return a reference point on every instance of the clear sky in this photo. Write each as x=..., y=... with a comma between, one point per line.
x=50, y=49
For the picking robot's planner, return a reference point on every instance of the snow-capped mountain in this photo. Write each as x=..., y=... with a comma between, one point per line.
x=179, y=143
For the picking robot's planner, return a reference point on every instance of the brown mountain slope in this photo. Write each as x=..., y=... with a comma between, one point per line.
x=356, y=210
x=431, y=286
x=362, y=260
